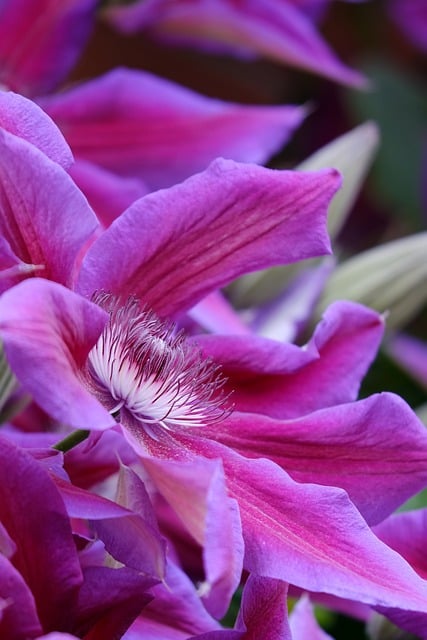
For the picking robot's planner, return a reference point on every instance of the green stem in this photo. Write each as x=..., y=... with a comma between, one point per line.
x=71, y=441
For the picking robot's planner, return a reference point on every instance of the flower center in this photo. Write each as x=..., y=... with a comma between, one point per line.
x=141, y=366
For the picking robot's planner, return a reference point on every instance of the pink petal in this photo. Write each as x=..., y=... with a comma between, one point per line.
x=41, y=40
x=170, y=132
x=375, y=449
x=48, y=332
x=303, y=534
x=36, y=520
x=273, y=29
x=184, y=242
x=263, y=612
x=216, y=314
x=175, y=611
x=196, y=492
x=285, y=381
x=108, y=194
x=303, y=623
x=407, y=533
x=26, y=120
x=48, y=226
x=18, y=615
x=411, y=17
x=411, y=354
x=131, y=538
x=109, y=601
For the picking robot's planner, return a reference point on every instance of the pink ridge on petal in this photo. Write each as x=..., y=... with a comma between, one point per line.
x=375, y=449
x=25, y=119
x=45, y=227
x=184, y=242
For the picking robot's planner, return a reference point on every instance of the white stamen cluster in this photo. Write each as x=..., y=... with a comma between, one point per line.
x=152, y=372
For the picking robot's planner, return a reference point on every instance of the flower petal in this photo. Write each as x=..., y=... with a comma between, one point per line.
x=197, y=493
x=47, y=332
x=110, y=600
x=273, y=29
x=184, y=242
x=285, y=381
x=263, y=612
x=44, y=227
x=18, y=615
x=305, y=534
x=375, y=449
x=303, y=622
x=36, y=520
x=170, y=132
x=41, y=40
x=108, y=194
x=26, y=120
x=175, y=611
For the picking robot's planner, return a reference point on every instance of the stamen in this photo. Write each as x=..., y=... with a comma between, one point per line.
x=145, y=367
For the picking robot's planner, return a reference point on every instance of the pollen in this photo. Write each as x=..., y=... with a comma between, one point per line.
x=145, y=367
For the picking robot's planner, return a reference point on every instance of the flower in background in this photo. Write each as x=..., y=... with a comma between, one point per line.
x=280, y=30
x=129, y=131
x=411, y=17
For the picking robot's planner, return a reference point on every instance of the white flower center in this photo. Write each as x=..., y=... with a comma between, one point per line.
x=150, y=371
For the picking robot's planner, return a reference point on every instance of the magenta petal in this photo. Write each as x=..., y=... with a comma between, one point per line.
x=108, y=194
x=411, y=17
x=47, y=332
x=175, y=611
x=303, y=623
x=18, y=615
x=375, y=449
x=295, y=381
x=411, y=354
x=184, y=242
x=216, y=314
x=36, y=520
x=134, y=540
x=197, y=493
x=130, y=537
x=26, y=120
x=407, y=533
x=109, y=601
x=44, y=227
x=41, y=40
x=311, y=536
x=57, y=635
x=274, y=29
x=263, y=612
x=170, y=132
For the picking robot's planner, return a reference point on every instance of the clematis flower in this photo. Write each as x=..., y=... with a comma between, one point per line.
x=281, y=30
x=88, y=366
x=204, y=469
